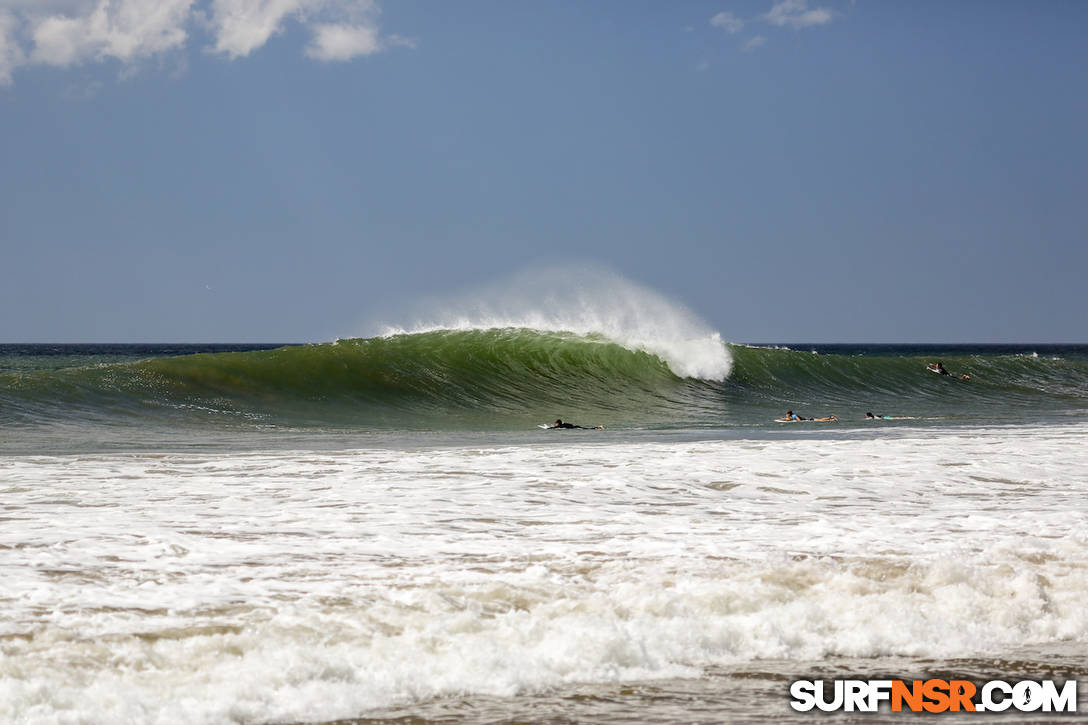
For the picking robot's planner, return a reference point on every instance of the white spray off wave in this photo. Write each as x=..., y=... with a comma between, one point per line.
x=587, y=302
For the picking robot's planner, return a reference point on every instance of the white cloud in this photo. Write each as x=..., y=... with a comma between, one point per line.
x=343, y=42
x=127, y=30
x=11, y=55
x=754, y=42
x=783, y=13
x=241, y=26
x=64, y=33
x=795, y=13
x=727, y=20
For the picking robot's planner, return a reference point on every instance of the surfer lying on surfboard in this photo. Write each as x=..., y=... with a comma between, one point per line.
x=938, y=368
x=560, y=424
x=792, y=417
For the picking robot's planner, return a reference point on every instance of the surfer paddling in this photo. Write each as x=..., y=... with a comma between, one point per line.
x=791, y=417
x=939, y=368
x=569, y=426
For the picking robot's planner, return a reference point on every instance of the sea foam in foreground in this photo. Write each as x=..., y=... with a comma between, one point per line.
x=309, y=586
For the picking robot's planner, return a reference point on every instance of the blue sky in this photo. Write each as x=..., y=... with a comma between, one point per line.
x=295, y=170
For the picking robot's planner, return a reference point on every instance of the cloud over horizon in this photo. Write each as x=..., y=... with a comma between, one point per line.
x=11, y=55
x=727, y=20
x=756, y=41
x=783, y=13
x=66, y=33
x=795, y=14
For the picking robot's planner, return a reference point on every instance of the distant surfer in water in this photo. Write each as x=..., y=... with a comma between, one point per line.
x=560, y=424
x=939, y=369
x=790, y=417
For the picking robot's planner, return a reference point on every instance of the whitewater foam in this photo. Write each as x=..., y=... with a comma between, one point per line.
x=306, y=586
x=587, y=303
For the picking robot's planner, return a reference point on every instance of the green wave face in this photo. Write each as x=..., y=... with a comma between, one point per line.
x=449, y=379
x=435, y=379
x=517, y=378
x=1000, y=384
